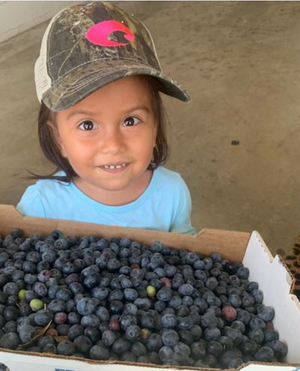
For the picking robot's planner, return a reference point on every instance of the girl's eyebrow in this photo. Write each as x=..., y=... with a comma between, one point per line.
x=91, y=113
x=80, y=112
x=137, y=108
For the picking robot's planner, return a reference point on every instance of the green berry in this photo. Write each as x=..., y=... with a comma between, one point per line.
x=151, y=292
x=36, y=304
x=22, y=294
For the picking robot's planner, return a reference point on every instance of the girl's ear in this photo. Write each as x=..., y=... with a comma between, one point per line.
x=57, y=138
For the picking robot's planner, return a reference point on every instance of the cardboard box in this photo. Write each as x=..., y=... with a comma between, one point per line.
x=269, y=272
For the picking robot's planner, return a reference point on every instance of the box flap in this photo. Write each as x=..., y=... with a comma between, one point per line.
x=275, y=281
x=229, y=243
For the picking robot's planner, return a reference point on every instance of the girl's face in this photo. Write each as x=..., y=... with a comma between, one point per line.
x=108, y=138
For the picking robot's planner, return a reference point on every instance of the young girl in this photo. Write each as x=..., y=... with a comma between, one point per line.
x=101, y=123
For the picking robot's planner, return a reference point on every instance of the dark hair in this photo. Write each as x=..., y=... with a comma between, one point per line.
x=51, y=150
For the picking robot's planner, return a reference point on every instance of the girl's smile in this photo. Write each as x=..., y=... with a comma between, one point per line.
x=108, y=139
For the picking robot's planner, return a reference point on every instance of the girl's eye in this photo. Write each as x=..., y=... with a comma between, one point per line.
x=87, y=125
x=131, y=121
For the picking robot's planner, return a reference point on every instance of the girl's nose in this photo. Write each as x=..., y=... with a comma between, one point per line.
x=112, y=142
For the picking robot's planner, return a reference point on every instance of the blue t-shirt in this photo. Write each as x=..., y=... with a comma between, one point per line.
x=165, y=205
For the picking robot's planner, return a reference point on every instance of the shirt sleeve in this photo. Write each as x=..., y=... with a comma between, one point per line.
x=31, y=203
x=182, y=220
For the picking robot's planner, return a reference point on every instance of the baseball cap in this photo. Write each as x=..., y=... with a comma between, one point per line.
x=90, y=45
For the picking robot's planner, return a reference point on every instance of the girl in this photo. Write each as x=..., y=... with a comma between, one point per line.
x=101, y=123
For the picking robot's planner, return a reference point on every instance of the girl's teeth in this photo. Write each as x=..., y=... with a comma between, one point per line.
x=111, y=167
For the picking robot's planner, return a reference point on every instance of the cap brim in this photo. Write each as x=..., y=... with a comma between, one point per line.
x=79, y=84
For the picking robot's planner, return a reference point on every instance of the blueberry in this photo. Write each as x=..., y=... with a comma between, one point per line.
x=226, y=342
x=99, y=352
x=214, y=348
x=10, y=326
x=191, y=258
x=138, y=349
x=143, y=303
x=63, y=294
x=128, y=357
x=229, y=355
x=182, y=311
x=264, y=354
x=83, y=344
x=271, y=335
x=235, y=300
x=40, y=289
x=90, y=320
x=208, y=320
x=45, y=340
x=252, y=286
x=11, y=313
x=43, y=317
x=235, y=335
x=169, y=337
x=26, y=333
x=267, y=314
x=133, y=333
x=177, y=281
x=127, y=320
x=230, y=267
x=66, y=348
x=121, y=345
x=211, y=283
x=108, y=337
x=85, y=306
x=154, y=342
x=75, y=331
x=185, y=323
x=280, y=349
x=169, y=321
x=92, y=280
x=11, y=288
x=175, y=302
x=165, y=354
x=186, y=337
x=187, y=271
x=249, y=347
x=102, y=313
x=92, y=333
x=57, y=306
x=170, y=270
x=235, y=362
x=258, y=295
x=186, y=290
x=159, y=306
x=181, y=352
x=211, y=333
x=257, y=335
x=242, y=272
x=238, y=325
x=130, y=294
x=257, y=322
x=9, y=340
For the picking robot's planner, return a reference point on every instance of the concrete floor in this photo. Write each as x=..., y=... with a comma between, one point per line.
x=240, y=62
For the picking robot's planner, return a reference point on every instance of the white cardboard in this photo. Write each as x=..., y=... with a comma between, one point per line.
x=275, y=282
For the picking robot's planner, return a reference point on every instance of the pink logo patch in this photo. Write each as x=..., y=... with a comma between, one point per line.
x=100, y=32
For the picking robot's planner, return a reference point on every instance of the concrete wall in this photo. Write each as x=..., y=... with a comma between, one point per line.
x=19, y=16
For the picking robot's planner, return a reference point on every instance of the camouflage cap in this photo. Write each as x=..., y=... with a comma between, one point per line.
x=90, y=45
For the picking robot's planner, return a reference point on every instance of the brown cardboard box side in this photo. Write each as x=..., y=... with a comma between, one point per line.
x=232, y=245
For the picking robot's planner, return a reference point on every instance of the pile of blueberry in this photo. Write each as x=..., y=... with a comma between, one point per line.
x=120, y=300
